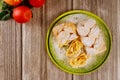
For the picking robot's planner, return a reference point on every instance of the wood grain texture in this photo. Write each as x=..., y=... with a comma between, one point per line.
x=33, y=58
x=36, y=65
x=23, y=53
x=52, y=11
x=10, y=51
x=118, y=37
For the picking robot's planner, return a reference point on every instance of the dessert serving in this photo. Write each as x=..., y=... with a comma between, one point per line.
x=78, y=42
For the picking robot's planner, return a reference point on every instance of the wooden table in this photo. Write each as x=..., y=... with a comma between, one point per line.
x=23, y=53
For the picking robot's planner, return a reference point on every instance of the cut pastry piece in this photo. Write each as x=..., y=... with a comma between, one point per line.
x=98, y=47
x=57, y=29
x=72, y=37
x=82, y=30
x=65, y=33
x=91, y=51
x=90, y=23
x=79, y=60
x=88, y=41
x=70, y=27
x=62, y=38
x=67, y=26
x=100, y=44
x=95, y=31
x=75, y=47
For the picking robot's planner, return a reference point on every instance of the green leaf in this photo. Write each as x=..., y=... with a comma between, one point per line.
x=6, y=6
x=1, y=2
x=5, y=15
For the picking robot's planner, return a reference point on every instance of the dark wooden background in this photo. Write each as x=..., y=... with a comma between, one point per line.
x=23, y=53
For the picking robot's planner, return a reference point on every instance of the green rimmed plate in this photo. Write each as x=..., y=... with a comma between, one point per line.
x=99, y=59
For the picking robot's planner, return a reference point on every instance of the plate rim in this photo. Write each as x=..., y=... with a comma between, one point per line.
x=65, y=14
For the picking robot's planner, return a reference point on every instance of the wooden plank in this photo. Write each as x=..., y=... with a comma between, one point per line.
x=107, y=10
x=34, y=57
x=10, y=51
x=118, y=38
x=1, y=56
x=53, y=9
x=36, y=64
